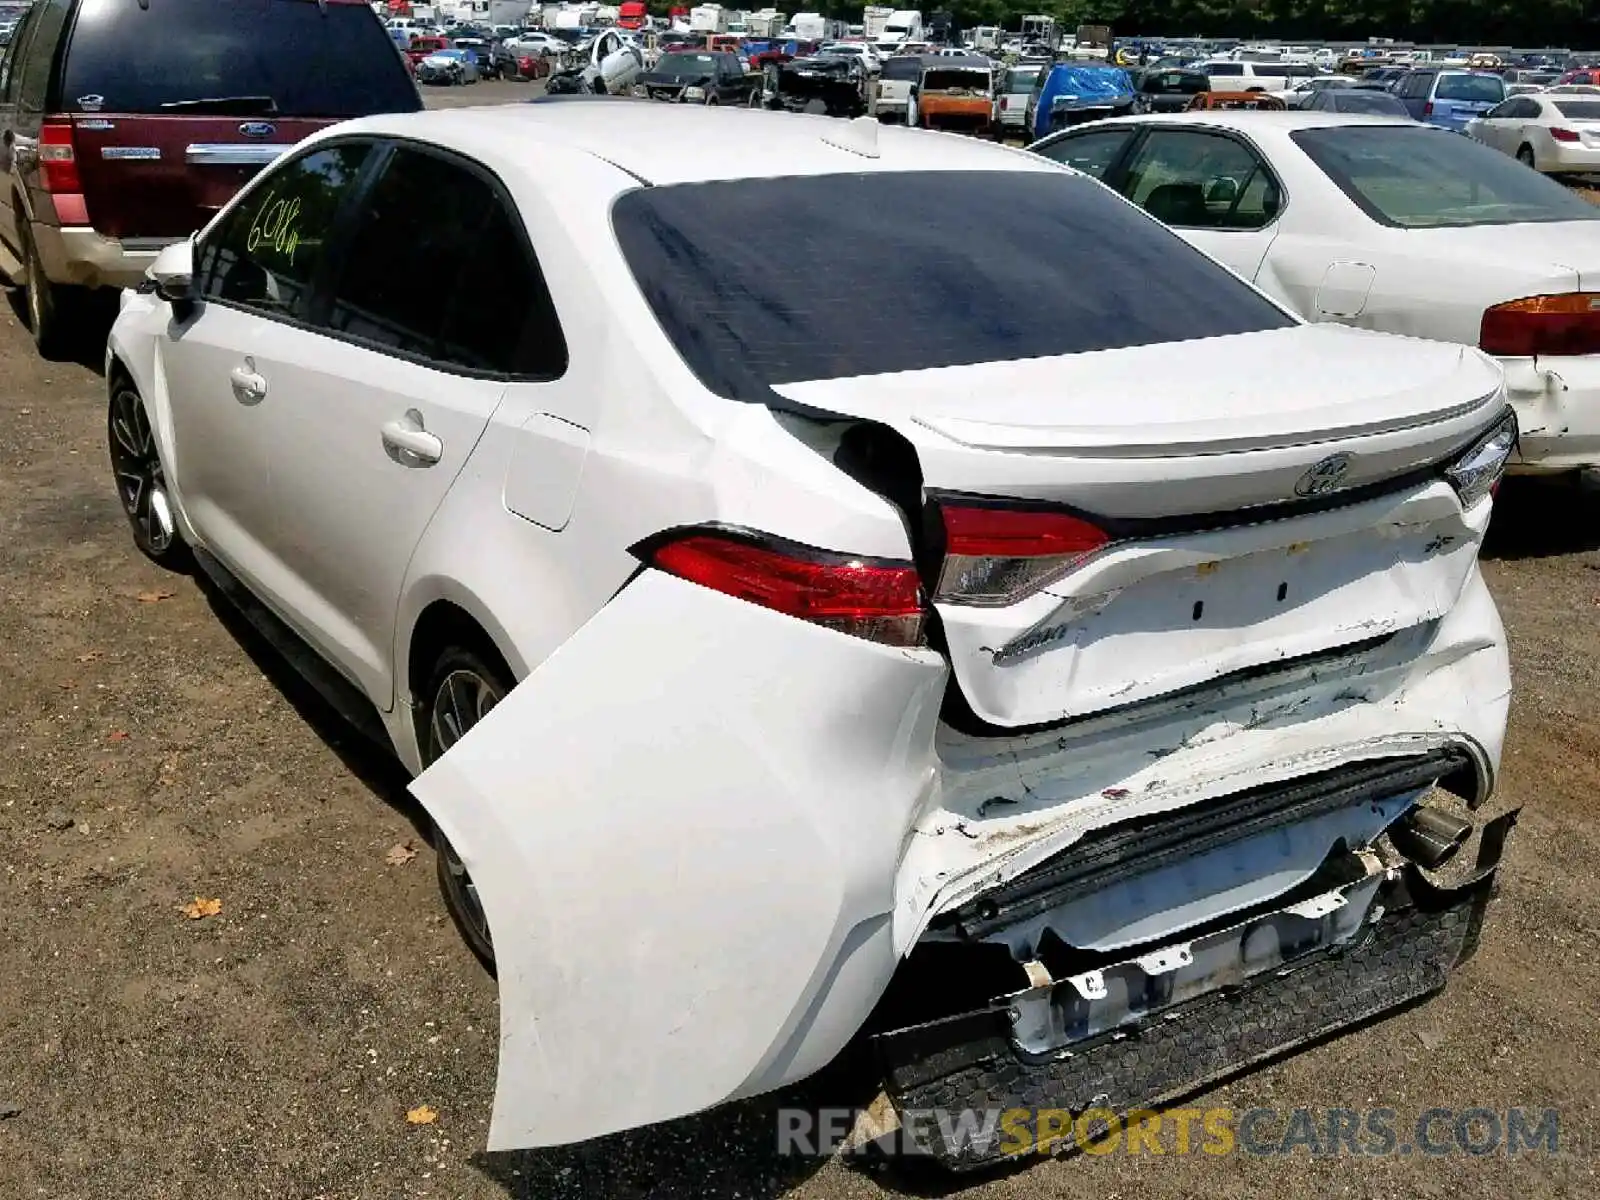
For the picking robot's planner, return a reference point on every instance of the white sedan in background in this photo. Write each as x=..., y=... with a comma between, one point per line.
x=1559, y=135
x=755, y=631
x=1388, y=225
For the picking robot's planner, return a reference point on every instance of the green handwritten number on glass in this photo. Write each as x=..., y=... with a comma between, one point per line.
x=274, y=231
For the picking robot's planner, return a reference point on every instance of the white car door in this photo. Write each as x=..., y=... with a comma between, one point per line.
x=1503, y=124
x=1211, y=187
x=437, y=304
x=253, y=272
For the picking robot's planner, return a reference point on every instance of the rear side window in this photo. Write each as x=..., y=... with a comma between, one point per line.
x=265, y=254
x=886, y=271
x=1579, y=110
x=38, y=55
x=437, y=269
x=1225, y=69
x=292, y=58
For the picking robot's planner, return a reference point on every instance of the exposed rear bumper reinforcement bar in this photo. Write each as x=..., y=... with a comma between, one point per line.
x=1006, y=1056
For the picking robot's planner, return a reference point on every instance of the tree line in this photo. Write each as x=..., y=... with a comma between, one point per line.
x=1571, y=23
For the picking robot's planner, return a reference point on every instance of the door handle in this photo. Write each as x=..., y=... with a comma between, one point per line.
x=248, y=387
x=409, y=443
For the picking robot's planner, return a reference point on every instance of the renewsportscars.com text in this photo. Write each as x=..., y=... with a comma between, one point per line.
x=1178, y=1131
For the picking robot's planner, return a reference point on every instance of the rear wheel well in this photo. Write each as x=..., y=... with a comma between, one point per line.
x=440, y=625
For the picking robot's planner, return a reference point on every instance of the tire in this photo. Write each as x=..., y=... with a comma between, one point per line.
x=465, y=683
x=45, y=303
x=1525, y=157
x=140, y=478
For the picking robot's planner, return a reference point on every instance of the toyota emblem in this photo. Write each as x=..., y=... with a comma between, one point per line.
x=1324, y=477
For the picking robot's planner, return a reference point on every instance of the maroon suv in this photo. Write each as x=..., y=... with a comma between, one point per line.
x=125, y=124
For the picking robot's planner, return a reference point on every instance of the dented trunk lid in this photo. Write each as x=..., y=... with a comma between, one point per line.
x=1267, y=496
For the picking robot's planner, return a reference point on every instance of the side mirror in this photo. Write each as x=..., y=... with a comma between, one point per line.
x=171, y=276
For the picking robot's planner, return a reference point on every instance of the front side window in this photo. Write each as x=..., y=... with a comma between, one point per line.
x=1201, y=181
x=264, y=255
x=1421, y=178
x=437, y=268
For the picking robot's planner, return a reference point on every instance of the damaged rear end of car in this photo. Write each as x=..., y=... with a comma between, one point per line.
x=1028, y=681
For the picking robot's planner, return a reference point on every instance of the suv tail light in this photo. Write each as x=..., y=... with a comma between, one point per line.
x=1566, y=324
x=58, y=160
x=1427, y=109
x=1565, y=135
x=1477, y=472
x=867, y=598
x=994, y=555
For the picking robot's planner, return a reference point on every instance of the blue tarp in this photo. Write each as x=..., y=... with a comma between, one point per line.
x=1079, y=86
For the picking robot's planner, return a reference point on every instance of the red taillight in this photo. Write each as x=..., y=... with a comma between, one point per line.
x=1565, y=324
x=881, y=602
x=58, y=161
x=1427, y=108
x=995, y=556
x=1565, y=135
x=1005, y=103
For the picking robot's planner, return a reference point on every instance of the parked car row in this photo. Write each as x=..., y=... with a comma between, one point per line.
x=1388, y=225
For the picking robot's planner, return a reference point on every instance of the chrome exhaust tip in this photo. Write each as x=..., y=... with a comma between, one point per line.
x=1429, y=837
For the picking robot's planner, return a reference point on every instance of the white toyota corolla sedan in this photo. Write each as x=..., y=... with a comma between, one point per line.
x=784, y=584
x=1384, y=224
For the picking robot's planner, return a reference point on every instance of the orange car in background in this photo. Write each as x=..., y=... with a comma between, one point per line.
x=956, y=94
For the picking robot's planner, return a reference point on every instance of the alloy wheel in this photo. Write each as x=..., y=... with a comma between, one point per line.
x=463, y=698
x=141, y=483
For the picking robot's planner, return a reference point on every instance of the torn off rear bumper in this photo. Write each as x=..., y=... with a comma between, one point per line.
x=1412, y=934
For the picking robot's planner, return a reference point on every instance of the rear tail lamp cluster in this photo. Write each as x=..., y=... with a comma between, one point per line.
x=1565, y=135
x=1564, y=324
x=994, y=556
x=1477, y=472
x=879, y=601
x=58, y=160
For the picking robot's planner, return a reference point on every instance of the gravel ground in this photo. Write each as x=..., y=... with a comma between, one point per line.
x=157, y=753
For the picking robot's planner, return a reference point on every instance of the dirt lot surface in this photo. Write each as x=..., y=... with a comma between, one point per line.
x=156, y=754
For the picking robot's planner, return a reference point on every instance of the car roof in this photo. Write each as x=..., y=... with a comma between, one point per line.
x=1276, y=120
x=676, y=143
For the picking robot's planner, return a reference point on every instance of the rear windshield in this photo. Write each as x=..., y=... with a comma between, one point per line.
x=944, y=79
x=1019, y=81
x=889, y=271
x=1579, y=110
x=901, y=68
x=685, y=64
x=1422, y=178
x=1380, y=103
x=1483, y=88
x=267, y=57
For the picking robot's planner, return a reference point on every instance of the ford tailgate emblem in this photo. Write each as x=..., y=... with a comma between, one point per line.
x=258, y=129
x=1323, y=477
